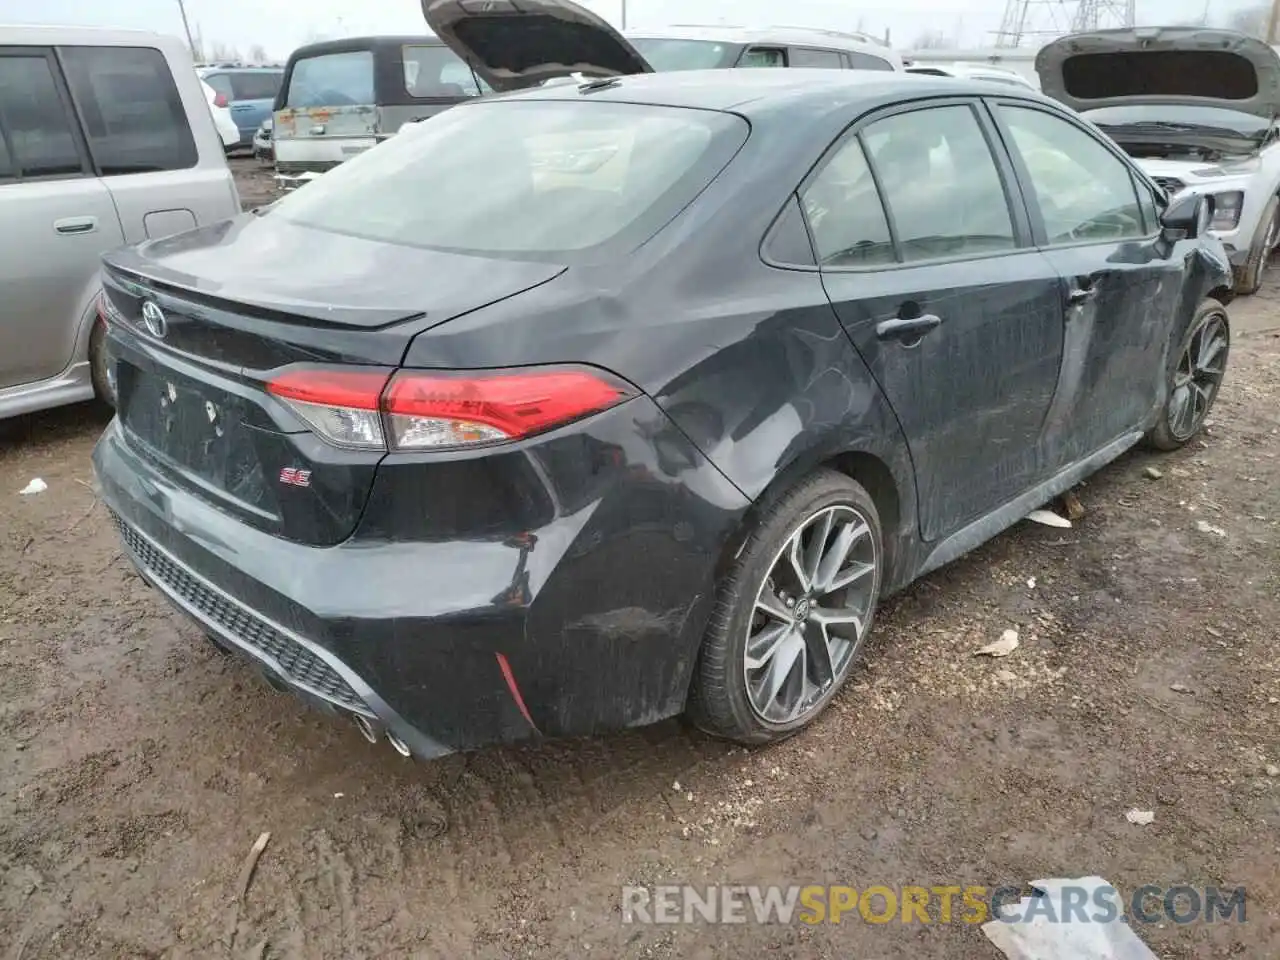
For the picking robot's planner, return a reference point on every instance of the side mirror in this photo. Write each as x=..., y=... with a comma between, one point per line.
x=1187, y=218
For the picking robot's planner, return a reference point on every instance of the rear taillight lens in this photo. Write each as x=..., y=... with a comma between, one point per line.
x=220, y=100
x=340, y=405
x=433, y=410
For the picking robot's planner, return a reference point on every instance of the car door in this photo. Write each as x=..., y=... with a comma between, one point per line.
x=926, y=256
x=1091, y=218
x=141, y=142
x=57, y=220
x=253, y=95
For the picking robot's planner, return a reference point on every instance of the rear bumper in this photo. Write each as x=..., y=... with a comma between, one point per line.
x=588, y=621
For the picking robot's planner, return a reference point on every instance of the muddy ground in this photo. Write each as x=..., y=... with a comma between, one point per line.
x=138, y=766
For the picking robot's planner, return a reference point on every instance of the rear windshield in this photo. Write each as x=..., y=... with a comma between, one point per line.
x=664, y=54
x=435, y=71
x=332, y=80
x=259, y=85
x=528, y=179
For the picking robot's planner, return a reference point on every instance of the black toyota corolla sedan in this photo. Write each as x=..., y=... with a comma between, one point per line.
x=598, y=403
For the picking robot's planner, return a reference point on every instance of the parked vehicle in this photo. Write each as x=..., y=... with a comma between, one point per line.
x=717, y=47
x=263, y=147
x=1197, y=108
x=649, y=409
x=228, y=133
x=106, y=138
x=248, y=92
x=971, y=71
x=341, y=97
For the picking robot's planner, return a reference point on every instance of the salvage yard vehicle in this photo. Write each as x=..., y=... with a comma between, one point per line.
x=971, y=71
x=648, y=411
x=341, y=97
x=1198, y=109
x=106, y=138
x=719, y=47
x=248, y=93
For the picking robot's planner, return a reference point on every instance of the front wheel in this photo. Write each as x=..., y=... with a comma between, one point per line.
x=1195, y=379
x=98, y=373
x=792, y=613
x=1249, y=276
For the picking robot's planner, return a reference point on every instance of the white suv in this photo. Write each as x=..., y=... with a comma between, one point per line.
x=106, y=138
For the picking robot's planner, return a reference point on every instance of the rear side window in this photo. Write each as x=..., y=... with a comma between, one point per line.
x=1085, y=192
x=332, y=80
x=541, y=180
x=940, y=182
x=132, y=112
x=763, y=57
x=844, y=212
x=432, y=71
x=828, y=59
x=221, y=82
x=865, y=61
x=262, y=85
x=37, y=130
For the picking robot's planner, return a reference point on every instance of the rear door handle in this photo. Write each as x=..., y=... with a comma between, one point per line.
x=907, y=331
x=74, y=225
x=1079, y=295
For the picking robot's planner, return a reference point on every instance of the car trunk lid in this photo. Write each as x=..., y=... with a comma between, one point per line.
x=513, y=44
x=202, y=323
x=1193, y=65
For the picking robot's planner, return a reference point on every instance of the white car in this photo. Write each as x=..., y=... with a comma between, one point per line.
x=971, y=71
x=221, y=111
x=1197, y=108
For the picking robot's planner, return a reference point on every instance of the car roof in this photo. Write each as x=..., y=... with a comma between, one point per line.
x=247, y=68
x=378, y=42
x=800, y=36
x=21, y=35
x=759, y=92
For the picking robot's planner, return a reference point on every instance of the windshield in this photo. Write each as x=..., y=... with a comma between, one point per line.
x=545, y=180
x=665, y=54
x=1174, y=118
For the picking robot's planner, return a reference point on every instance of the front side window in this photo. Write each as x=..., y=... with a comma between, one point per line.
x=528, y=179
x=1084, y=191
x=763, y=57
x=132, y=111
x=844, y=212
x=941, y=184
x=434, y=71
x=332, y=80
x=34, y=121
x=827, y=59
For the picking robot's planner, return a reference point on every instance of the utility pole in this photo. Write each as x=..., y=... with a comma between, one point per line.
x=624, y=13
x=182, y=8
x=1272, y=21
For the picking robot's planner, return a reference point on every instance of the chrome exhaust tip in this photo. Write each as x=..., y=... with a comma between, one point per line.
x=399, y=745
x=365, y=728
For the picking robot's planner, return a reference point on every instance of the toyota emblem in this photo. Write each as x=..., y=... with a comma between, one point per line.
x=153, y=319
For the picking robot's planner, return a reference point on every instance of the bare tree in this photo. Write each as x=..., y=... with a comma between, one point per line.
x=933, y=40
x=257, y=53
x=220, y=51
x=1251, y=20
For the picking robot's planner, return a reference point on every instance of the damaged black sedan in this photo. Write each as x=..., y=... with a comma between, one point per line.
x=579, y=408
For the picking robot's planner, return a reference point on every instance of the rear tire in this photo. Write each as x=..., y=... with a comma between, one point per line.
x=1249, y=276
x=98, y=365
x=785, y=632
x=1196, y=374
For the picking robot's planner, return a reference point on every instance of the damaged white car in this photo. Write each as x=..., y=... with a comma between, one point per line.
x=1197, y=108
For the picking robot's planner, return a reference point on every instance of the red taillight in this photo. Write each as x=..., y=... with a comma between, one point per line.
x=429, y=410
x=220, y=100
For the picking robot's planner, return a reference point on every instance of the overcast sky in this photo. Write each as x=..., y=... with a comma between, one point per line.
x=281, y=25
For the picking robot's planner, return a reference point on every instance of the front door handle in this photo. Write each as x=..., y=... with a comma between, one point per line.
x=74, y=225
x=907, y=331
x=1079, y=295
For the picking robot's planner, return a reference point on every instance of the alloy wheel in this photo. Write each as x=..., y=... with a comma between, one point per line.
x=811, y=614
x=1198, y=377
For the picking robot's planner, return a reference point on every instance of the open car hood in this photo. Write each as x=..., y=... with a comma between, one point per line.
x=513, y=44
x=1107, y=68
